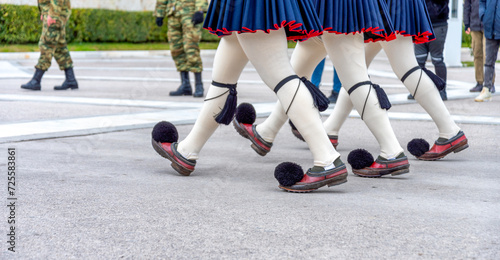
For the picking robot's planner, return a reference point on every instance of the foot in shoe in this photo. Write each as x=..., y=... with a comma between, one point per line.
x=382, y=166
x=317, y=177
x=259, y=145
x=169, y=151
x=443, y=147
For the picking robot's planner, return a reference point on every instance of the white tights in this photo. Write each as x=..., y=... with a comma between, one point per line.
x=268, y=54
x=402, y=58
x=348, y=57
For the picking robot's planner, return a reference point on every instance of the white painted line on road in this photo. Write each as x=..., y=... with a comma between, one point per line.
x=7, y=70
x=102, y=101
x=480, y=120
x=101, y=124
x=91, y=125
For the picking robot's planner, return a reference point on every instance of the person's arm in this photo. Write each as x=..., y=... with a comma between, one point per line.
x=466, y=14
x=200, y=8
x=161, y=8
x=444, y=12
x=160, y=11
x=43, y=6
x=201, y=5
x=59, y=10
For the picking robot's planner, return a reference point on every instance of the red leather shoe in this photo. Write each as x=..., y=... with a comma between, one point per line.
x=248, y=131
x=443, y=148
x=318, y=177
x=383, y=166
x=334, y=139
x=179, y=163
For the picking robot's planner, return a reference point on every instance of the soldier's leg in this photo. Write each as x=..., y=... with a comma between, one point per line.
x=65, y=62
x=61, y=52
x=419, y=84
x=191, y=40
x=47, y=44
x=229, y=62
x=304, y=59
x=348, y=57
x=268, y=53
x=176, y=41
x=344, y=105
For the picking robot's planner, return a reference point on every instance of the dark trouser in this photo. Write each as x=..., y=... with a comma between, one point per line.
x=435, y=48
x=489, y=62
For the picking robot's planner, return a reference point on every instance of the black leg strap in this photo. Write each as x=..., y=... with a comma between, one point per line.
x=383, y=100
x=358, y=85
x=407, y=74
x=283, y=82
x=227, y=113
x=438, y=82
x=319, y=99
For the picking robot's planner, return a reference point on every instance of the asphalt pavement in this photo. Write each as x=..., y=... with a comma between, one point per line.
x=88, y=184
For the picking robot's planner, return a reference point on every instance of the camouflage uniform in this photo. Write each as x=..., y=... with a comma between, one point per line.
x=182, y=35
x=53, y=39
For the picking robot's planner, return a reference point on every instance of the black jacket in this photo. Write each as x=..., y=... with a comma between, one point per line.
x=471, y=15
x=438, y=11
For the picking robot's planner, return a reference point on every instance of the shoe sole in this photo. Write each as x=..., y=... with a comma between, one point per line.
x=483, y=100
x=334, y=181
x=67, y=88
x=178, y=95
x=177, y=167
x=35, y=89
x=245, y=134
x=393, y=171
x=458, y=148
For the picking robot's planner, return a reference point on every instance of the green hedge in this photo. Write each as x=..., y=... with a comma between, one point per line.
x=21, y=24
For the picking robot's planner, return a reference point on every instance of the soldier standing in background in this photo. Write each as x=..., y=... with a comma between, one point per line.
x=54, y=15
x=184, y=18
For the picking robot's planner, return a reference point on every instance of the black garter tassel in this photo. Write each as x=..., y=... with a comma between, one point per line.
x=320, y=100
x=227, y=113
x=382, y=97
x=439, y=82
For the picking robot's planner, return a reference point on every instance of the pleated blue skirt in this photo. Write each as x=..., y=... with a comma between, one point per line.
x=297, y=17
x=411, y=18
x=370, y=17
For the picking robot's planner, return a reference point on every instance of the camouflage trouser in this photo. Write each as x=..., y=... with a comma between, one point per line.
x=184, y=37
x=53, y=44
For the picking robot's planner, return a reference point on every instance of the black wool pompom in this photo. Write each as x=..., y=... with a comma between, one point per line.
x=165, y=132
x=288, y=173
x=245, y=113
x=359, y=159
x=418, y=147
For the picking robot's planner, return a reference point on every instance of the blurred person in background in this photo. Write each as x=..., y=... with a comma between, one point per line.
x=55, y=16
x=184, y=20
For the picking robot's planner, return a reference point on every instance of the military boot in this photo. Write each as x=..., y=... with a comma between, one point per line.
x=69, y=82
x=198, y=86
x=34, y=83
x=185, y=87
